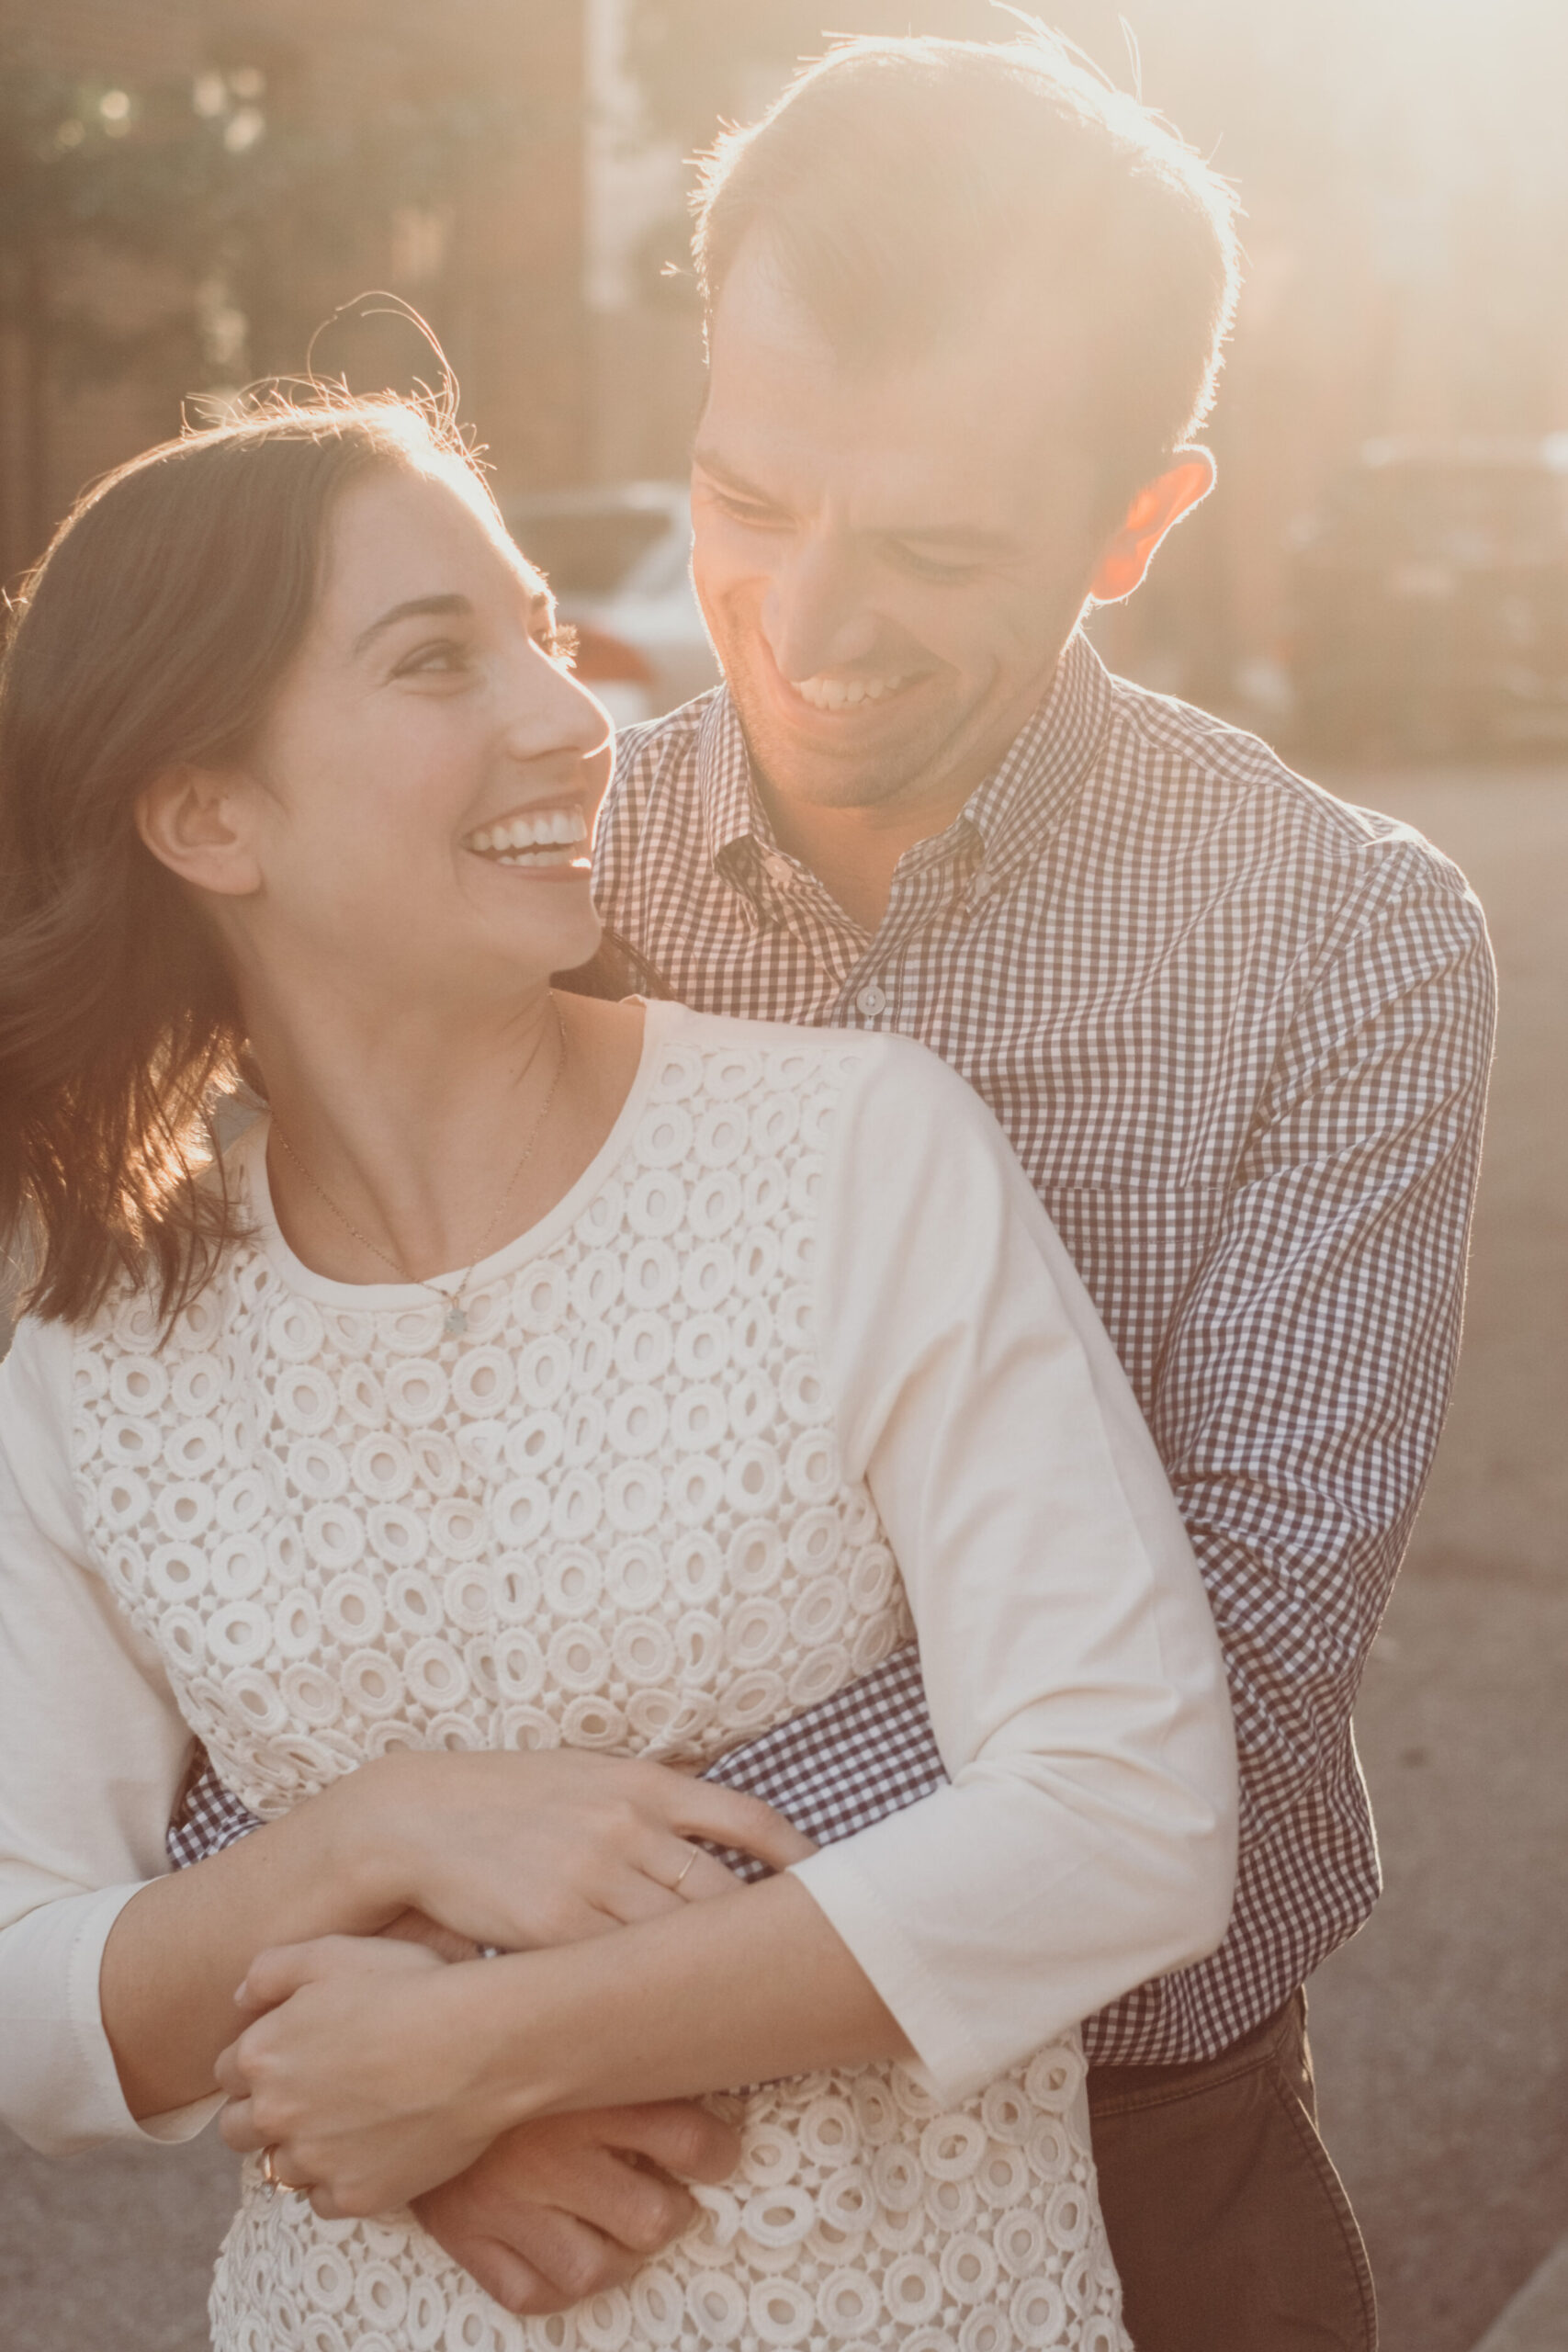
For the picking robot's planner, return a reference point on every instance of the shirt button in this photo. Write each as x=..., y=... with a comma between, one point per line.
x=872, y=999
x=779, y=868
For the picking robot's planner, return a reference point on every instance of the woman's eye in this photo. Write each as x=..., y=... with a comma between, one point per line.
x=558, y=642
x=441, y=659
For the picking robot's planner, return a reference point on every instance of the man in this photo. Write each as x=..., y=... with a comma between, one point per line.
x=965, y=311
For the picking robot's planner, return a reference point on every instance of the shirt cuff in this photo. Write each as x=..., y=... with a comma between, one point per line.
x=948, y=2061
x=60, y=2088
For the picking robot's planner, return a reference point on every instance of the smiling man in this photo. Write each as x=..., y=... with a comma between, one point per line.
x=965, y=311
x=888, y=582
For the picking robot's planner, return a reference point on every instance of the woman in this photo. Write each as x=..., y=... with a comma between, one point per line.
x=539, y=1375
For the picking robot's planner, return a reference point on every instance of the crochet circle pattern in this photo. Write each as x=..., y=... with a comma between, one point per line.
x=612, y=1514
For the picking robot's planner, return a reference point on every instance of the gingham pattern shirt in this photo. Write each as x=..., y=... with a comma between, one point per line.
x=1238, y=1034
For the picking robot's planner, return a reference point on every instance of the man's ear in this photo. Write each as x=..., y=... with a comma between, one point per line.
x=196, y=821
x=1188, y=479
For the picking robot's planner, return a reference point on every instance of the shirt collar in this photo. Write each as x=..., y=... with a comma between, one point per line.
x=731, y=812
x=1017, y=805
x=1029, y=792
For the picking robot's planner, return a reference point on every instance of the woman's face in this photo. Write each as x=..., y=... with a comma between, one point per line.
x=425, y=789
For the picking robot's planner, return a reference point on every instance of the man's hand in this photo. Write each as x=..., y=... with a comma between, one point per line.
x=564, y=2207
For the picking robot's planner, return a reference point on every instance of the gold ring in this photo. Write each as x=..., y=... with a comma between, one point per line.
x=271, y=2176
x=679, y=1883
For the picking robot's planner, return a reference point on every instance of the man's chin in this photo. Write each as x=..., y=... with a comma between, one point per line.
x=871, y=766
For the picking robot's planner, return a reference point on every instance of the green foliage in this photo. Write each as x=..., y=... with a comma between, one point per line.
x=249, y=219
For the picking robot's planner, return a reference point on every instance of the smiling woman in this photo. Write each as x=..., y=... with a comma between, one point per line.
x=544, y=1396
x=152, y=689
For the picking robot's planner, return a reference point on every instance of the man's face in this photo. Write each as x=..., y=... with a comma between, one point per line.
x=889, y=561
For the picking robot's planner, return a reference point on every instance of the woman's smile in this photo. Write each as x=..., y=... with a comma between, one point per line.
x=554, y=835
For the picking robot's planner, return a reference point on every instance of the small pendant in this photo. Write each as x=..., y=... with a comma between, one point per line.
x=456, y=1320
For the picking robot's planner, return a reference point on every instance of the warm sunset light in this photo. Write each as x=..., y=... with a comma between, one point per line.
x=784, y=806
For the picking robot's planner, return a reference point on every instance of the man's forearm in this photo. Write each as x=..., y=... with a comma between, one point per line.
x=833, y=1770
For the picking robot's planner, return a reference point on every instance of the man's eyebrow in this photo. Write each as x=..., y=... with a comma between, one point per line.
x=969, y=537
x=415, y=608
x=730, y=477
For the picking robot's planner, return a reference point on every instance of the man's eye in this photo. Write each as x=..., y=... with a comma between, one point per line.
x=559, y=641
x=747, y=512
x=930, y=566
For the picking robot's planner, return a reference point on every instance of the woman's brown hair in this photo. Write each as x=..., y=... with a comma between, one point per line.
x=152, y=635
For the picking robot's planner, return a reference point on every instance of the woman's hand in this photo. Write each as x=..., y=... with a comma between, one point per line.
x=359, y=2077
x=547, y=1847
x=381, y=2073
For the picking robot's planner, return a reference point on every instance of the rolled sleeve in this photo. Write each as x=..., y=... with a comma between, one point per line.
x=1071, y=1665
x=93, y=1749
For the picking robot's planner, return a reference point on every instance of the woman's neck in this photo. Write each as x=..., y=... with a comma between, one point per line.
x=413, y=1145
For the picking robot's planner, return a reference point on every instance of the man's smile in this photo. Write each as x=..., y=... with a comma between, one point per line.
x=829, y=692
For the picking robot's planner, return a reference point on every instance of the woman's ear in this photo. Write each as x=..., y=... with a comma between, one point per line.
x=199, y=822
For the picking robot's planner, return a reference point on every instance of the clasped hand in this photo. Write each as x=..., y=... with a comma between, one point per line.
x=357, y=2071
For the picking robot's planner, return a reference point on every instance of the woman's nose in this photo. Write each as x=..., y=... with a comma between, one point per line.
x=553, y=712
x=817, y=615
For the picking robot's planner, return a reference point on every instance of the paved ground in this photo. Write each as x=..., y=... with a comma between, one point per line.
x=1442, y=2031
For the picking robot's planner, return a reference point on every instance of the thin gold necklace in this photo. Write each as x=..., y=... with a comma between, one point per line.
x=456, y=1321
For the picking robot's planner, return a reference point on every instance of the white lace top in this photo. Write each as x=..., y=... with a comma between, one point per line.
x=801, y=1316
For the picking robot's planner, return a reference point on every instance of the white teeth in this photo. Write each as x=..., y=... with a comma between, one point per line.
x=546, y=829
x=844, y=693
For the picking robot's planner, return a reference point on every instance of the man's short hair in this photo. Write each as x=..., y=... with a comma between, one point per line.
x=899, y=183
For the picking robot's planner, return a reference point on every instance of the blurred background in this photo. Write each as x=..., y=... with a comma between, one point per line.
x=190, y=189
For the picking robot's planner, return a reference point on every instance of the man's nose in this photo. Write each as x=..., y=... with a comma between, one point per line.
x=817, y=614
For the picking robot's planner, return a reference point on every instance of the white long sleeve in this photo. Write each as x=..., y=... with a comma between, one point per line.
x=1070, y=1660
x=93, y=1751
x=1073, y=1672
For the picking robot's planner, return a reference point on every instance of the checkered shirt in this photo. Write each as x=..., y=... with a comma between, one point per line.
x=1238, y=1034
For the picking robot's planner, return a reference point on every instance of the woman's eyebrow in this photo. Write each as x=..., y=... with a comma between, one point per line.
x=415, y=607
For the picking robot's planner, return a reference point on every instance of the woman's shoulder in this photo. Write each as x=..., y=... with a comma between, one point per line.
x=871, y=1082
x=721, y=1046
x=132, y=1319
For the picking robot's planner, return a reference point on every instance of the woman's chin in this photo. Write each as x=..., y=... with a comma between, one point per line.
x=545, y=922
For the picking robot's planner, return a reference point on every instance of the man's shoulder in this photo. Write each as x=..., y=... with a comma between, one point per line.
x=1222, y=787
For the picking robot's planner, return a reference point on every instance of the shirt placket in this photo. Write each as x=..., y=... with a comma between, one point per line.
x=930, y=879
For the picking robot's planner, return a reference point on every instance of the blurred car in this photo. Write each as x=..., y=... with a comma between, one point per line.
x=617, y=559
x=1429, y=598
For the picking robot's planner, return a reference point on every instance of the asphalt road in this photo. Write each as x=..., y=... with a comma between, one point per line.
x=1441, y=2032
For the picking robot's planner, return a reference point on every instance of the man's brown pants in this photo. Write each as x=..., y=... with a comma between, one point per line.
x=1229, y=2224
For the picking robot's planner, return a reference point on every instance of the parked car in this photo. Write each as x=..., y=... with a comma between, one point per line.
x=618, y=558
x=1430, y=598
